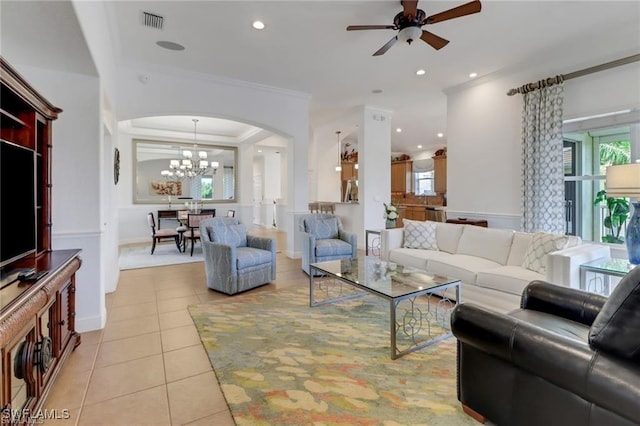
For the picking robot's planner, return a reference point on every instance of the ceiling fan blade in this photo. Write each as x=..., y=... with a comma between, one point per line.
x=456, y=12
x=386, y=47
x=433, y=40
x=370, y=27
x=410, y=7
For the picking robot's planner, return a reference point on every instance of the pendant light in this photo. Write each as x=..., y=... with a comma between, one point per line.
x=339, y=166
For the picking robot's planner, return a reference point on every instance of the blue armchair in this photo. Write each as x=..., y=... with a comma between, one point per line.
x=324, y=239
x=233, y=260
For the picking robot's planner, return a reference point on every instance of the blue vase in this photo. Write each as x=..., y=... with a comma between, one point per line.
x=390, y=224
x=633, y=235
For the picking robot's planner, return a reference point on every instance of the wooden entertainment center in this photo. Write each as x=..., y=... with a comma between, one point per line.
x=37, y=310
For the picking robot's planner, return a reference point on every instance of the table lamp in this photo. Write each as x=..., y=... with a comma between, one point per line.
x=624, y=181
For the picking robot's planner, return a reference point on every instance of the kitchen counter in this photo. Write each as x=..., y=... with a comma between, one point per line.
x=421, y=212
x=426, y=206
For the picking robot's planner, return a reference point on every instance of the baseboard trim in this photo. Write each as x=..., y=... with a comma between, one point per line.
x=94, y=323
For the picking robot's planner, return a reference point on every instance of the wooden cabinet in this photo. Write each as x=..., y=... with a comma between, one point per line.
x=26, y=121
x=402, y=214
x=402, y=176
x=37, y=333
x=37, y=316
x=416, y=213
x=440, y=174
x=349, y=172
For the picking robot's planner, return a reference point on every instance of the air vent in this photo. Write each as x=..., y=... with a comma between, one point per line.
x=152, y=20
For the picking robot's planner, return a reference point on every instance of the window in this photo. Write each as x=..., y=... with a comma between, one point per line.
x=423, y=183
x=586, y=155
x=206, y=188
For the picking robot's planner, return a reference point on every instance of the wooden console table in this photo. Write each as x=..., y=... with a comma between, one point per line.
x=463, y=221
x=37, y=332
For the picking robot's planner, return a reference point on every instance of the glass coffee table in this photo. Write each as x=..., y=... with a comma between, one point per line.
x=419, y=309
x=602, y=270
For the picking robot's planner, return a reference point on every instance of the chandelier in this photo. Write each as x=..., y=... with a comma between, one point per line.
x=339, y=166
x=188, y=167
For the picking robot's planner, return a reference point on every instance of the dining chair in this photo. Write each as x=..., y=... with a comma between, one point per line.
x=193, y=223
x=435, y=215
x=231, y=213
x=182, y=216
x=159, y=235
x=314, y=207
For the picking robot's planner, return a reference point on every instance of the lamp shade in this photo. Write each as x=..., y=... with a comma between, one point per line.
x=409, y=34
x=623, y=180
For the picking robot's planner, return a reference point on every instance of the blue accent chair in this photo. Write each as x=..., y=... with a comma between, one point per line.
x=233, y=260
x=323, y=239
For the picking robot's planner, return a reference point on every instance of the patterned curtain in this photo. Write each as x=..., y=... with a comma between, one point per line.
x=542, y=169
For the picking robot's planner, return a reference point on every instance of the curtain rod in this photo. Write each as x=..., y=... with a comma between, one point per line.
x=560, y=78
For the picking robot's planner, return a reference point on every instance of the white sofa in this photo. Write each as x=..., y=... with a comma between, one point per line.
x=489, y=262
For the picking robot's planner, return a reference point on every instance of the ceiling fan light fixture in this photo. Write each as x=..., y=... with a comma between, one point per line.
x=409, y=34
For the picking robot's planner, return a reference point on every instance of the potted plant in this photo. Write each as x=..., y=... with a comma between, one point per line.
x=617, y=214
x=390, y=214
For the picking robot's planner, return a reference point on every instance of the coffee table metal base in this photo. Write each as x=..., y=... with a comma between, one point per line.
x=411, y=322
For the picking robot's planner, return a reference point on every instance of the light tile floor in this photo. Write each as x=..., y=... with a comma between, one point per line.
x=148, y=366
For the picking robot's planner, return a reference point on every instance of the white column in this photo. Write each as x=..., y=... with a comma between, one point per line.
x=635, y=142
x=244, y=197
x=374, y=173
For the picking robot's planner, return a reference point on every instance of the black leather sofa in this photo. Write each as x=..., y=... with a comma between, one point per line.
x=566, y=357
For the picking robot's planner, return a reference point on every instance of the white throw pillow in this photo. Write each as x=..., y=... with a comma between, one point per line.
x=542, y=243
x=420, y=235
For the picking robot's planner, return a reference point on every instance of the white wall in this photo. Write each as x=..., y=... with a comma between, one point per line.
x=324, y=161
x=484, y=127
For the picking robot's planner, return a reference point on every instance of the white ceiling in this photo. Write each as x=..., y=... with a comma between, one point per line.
x=305, y=47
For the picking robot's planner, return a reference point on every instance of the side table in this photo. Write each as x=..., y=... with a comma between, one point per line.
x=603, y=269
x=375, y=241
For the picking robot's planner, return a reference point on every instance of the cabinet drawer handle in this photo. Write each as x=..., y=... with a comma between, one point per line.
x=61, y=322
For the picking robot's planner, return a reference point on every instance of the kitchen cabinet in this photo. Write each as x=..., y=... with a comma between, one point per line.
x=440, y=174
x=349, y=172
x=416, y=213
x=402, y=176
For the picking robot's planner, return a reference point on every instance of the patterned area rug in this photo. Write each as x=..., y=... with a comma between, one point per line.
x=281, y=362
x=165, y=254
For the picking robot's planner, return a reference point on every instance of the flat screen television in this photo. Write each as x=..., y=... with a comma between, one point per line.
x=17, y=203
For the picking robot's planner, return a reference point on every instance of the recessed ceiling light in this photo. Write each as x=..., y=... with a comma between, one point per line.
x=420, y=72
x=170, y=45
x=376, y=91
x=440, y=135
x=259, y=150
x=399, y=130
x=473, y=75
x=258, y=25
x=419, y=146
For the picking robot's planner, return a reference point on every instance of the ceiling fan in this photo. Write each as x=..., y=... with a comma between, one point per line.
x=411, y=19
